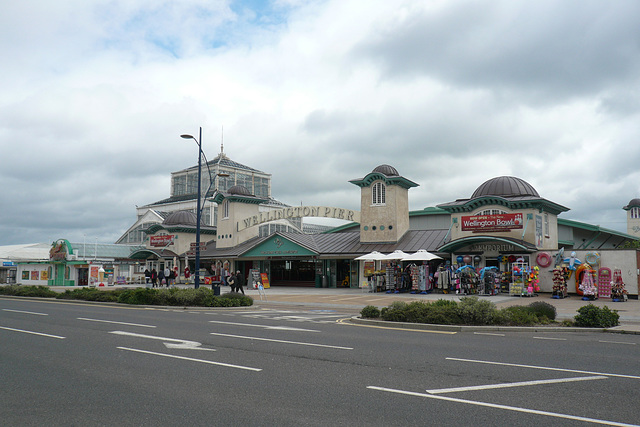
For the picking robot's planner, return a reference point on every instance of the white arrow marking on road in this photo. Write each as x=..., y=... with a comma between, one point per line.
x=279, y=328
x=518, y=384
x=181, y=344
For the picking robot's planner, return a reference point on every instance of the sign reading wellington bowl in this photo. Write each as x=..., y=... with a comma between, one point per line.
x=485, y=223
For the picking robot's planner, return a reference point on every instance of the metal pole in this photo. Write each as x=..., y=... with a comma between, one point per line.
x=198, y=213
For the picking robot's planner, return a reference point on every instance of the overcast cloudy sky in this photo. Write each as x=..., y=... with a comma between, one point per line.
x=94, y=95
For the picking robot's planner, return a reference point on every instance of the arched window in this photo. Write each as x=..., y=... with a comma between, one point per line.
x=225, y=209
x=378, y=196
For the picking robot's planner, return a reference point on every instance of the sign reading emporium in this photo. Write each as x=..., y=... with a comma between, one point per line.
x=484, y=223
x=299, y=212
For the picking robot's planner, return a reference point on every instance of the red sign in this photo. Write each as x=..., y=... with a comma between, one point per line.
x=264, y=278
x=161, y=240
x=484, y=223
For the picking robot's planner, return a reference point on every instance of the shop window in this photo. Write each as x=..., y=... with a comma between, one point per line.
x=378, y=196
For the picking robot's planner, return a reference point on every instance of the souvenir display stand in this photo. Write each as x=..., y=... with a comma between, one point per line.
x=489, y=283
x=519, y=275
x=588, y=285
x=466, y=280
x=393, y=275
x=618, y=292
x=444, y=278
x=604, y=282
x=560, y=283
x=420, y=278
x=377, y=281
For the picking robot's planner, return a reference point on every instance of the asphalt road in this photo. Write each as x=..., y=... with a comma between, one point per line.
x=68, y=364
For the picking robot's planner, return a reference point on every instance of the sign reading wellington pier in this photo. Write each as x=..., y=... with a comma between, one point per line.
x=299, y=212
x=484, y=223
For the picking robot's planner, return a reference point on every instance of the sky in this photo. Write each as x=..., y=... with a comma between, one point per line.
x=94, y=96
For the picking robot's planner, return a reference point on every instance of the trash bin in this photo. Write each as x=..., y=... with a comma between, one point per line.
x=324, y=281
x=215, y=286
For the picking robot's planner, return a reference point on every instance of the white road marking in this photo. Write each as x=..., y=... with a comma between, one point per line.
x=191, y=359
x=546, y=368
x=618, y=342
x=279, y=328
x=550, y=338
x=180, y=343
x=505, y=407
x=283, y=341
x=25, y=312
x=117, y=323
x=518, y=384
x=488, y=333
x=33, y=333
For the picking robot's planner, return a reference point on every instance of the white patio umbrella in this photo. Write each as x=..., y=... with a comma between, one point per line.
x=397, y=254
x=372, y=256
x=421, y=255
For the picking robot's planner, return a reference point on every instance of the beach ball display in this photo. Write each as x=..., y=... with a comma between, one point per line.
x=459, y=258
x=467, y=259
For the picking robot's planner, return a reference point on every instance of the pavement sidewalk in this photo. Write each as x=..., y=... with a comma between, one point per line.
x=566, y=308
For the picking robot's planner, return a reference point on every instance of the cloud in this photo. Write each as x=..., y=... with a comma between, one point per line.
x=95, y=96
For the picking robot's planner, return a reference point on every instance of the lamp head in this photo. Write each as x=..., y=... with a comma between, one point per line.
x=186, y=136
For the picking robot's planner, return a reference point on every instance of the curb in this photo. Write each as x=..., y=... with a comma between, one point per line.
x=459, y=328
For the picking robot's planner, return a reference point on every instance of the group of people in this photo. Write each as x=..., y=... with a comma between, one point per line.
x=162, y=278
x=236, y=281
x=168, y=276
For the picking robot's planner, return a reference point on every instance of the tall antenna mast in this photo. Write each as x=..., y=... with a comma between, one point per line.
x=222, y=141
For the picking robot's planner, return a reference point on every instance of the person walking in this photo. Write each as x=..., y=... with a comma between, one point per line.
x=147, y=275
x=161, y=280
x=154, y=278
x=167, y=275
x=239, y=282
x=231, y=281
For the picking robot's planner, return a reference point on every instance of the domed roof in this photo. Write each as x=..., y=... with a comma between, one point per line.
x=240, y=190
x=634, y=203
x=505, y=186
x=386, y=170
x=181, y=218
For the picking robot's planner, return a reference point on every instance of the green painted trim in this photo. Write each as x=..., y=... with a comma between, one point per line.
x=479, y=202
x=388, y=180
x=465, y=241
x=278, y=246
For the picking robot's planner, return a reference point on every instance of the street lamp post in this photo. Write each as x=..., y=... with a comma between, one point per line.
x=198, y=211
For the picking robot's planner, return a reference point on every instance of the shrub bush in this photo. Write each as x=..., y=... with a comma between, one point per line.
x=90, y=294
x=395, y=312
x=370, y=312
x=474, y=311
x=543, y=309
x=516, y=315
x=591, y=316
x=28, y=291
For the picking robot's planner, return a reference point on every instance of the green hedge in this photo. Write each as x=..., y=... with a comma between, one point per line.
x=201, y=297
x=469, y=311
x=28, y=291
